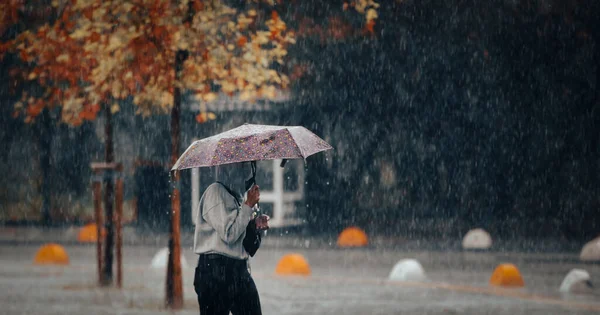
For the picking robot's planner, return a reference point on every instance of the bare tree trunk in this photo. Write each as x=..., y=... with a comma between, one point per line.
x=174, y=290
x=108, y=198
x=97, y=191
x=118, y=225
x=174, y=281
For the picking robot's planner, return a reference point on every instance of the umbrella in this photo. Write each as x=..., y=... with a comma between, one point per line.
x=250, y=143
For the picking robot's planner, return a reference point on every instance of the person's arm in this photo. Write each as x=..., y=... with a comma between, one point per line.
x=229, y=224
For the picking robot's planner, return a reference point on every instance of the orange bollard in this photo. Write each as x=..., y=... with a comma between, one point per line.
x=352, y=237
x=89, y=233
x=292, y=264
x=51, y=254
x=507, y=275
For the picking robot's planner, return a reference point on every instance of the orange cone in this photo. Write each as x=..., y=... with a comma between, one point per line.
x=352, y=237
x=292, y=264
x=51, y=254
x=89, y=233
x=507, y=275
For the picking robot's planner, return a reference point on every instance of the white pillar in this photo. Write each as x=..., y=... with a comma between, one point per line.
x=195, y=193
x=278, y=193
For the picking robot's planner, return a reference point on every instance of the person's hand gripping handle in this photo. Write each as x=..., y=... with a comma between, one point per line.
x=253, y=196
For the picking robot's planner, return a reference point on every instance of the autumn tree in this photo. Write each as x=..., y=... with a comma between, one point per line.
x=98, y=55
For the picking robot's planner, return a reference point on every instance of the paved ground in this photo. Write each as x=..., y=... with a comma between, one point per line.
x=342, y=282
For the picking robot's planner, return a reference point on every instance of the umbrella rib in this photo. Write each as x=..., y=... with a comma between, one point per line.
x=302, y=153
x=182, y=157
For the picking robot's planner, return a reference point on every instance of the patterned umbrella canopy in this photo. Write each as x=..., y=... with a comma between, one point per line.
x=252, y=143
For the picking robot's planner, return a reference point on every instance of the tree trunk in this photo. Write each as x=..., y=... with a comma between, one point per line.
x=174, y=290
x=174, y=297
x=108, y=198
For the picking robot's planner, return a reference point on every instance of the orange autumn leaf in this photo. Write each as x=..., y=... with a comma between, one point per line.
x=95, y=37
x=84, y=115
x=72, y=80
x=89, y=112
x=42, y=32
x=198, y=5
x=370, y=26
x=23, y=54
x=201, y=118
x=92, y=116
x=34, y=109
x=242, y=41
x=88, y=13
x=131, y=85
x=65, y=17
x=77, y=122
x=274, y=34
x=158, y=31
x=204, y=117
x=95, y=108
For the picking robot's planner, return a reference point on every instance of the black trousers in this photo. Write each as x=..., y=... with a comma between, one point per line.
x=224, y=285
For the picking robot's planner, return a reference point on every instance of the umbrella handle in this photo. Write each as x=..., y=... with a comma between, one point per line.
x=253, y=165
x=251, y=182
x=256, y=207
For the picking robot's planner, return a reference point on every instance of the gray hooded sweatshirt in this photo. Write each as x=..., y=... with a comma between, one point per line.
x=221, y=219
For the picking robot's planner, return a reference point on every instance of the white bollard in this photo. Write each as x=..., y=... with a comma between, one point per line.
x=591, y=251
x=161, y=259
x=408, y=270
x=477, y=239
x=577, y=281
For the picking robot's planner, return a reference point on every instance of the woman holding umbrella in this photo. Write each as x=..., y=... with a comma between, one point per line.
x=227, y=233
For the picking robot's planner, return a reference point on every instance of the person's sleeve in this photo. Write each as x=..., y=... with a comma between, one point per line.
x=252, y=239
x=230, y=224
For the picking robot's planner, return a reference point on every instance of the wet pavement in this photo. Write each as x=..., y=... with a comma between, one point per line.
x=342, y=282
